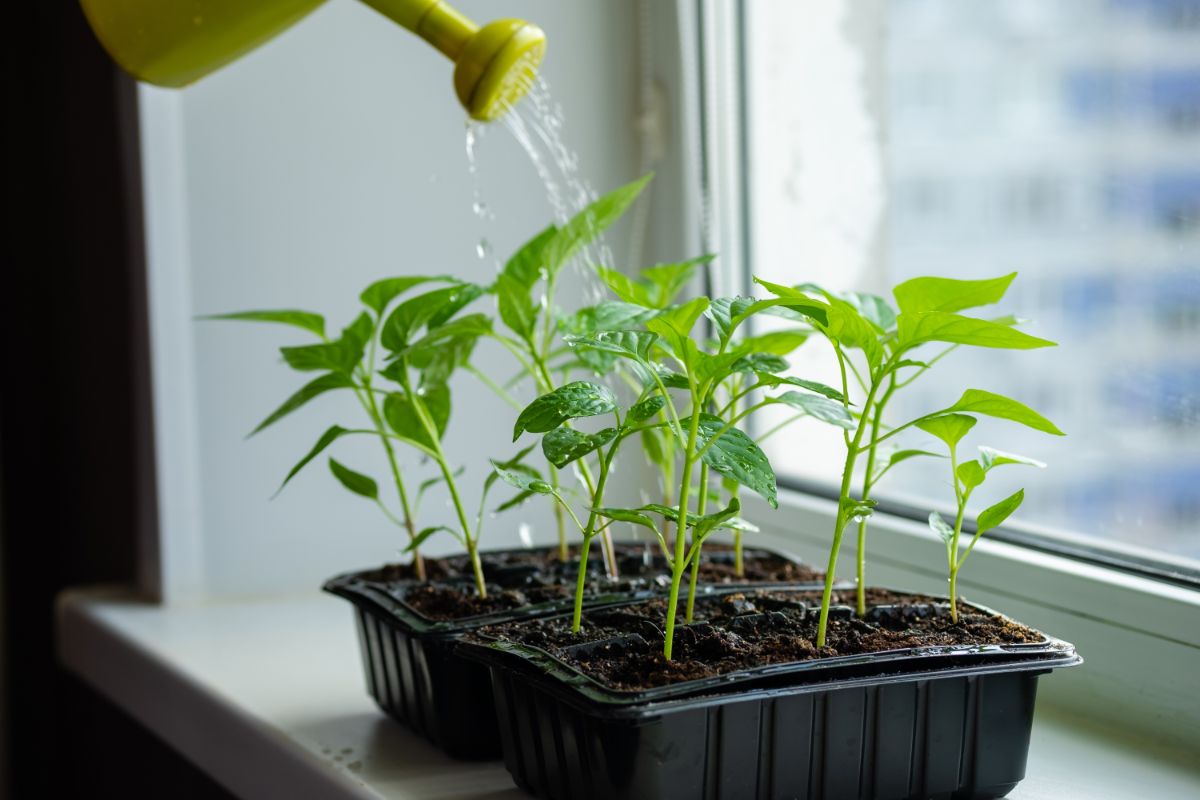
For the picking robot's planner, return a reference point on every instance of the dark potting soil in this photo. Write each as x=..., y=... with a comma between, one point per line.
x=518, y=578
x=622, y=648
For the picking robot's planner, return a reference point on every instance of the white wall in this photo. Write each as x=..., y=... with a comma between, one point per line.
x=331, y=157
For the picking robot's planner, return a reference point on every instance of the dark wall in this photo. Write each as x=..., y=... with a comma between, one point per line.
x=75, y=464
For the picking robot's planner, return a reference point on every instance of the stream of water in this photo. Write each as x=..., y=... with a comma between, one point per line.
x=536, y=125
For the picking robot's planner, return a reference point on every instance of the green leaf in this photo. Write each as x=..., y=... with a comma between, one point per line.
x=646, y=408
x=948, y=294
x=735, y=455
x=515, y=305
x=990, y=457
x=628, y=515
x=767, y=380
x=853, y=508
x=634, y=345
x=977, y=401
x=379, y=294
x=941, y=528
x=777, y=343
x=306, y=320
x=590, y=223
x=425, y=310
x=318, y=386
x=612, y=315
x=920, y=327
x=950, y=428
x=995, y=516
x=792, y=299
x=354, y=481
x=341, y=355
x=873, y=308
x=676, y=322
x=528, y=265
x=900, y=456
x=723, y=310
x=403, y=419
x=760, y=362
x=818, y=407
x=469, y=327
x=425, y=533
x=971, y=474
x=693, y=519
x=851, y=329
x=327, y=438
x=571, y=401
x=707, y=367
x=668, y=280
x=522, y=481
x=626, y=288
x=561, y=446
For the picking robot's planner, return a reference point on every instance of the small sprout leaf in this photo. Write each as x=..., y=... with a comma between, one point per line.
x=995, y=516
x=818, y=407
x=354, y=481
x=425, y=533
x=381, y=293
x=949, y=294
x=571, y=401
x=318, y=386
x=305, y=320
x=646, y=408
x=767, y=380
x=971, y=473
x=950, y=428
x=941, y=528
x=919, y=327
x=330, y=436
x=561, y=446
x=991, y=457
x=977, y=401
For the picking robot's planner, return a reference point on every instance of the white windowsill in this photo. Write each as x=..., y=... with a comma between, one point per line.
x=267, y=697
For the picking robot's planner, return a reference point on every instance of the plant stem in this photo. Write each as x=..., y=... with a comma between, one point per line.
x=589, y=532
x=377, y=420
x=868, y=485
x=685, y=486
x=701, y=503
x=559, y=521
x=840, y=522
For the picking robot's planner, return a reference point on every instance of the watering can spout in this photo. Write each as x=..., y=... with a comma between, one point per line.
x=174, y=44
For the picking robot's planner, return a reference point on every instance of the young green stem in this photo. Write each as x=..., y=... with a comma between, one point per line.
x=868, y=484
x=701, y=503
x=685, y=486
x=841, y=520
x=377, y=421
x=589, y=532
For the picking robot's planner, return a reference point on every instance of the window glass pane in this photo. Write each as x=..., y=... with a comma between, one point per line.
x=1057, y=139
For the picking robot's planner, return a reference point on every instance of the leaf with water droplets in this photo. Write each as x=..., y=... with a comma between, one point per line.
x=735, y=455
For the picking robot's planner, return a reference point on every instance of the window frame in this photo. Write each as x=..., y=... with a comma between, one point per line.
x=1124, y=612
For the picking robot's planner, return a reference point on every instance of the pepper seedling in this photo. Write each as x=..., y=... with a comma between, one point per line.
x=424, y=342
x=707, y=441
x=927, y=315
x=532, y=325
x=562, y=445
x=967, y=477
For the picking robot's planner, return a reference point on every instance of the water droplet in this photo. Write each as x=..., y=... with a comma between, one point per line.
x=525, y=534
x=479, y=207
x=483, y=249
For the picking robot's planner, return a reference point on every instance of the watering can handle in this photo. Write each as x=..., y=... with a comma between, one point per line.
x=173, y=44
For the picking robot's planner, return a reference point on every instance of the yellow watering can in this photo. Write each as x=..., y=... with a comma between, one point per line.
x=175, y=42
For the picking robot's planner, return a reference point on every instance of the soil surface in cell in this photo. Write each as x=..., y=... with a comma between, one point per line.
x=622, y=647
x=517, y=578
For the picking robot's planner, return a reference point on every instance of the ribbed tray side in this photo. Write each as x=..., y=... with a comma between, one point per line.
x=960, y=737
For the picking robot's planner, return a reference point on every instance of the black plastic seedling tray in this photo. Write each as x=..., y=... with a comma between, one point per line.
x=944, y=722
x=414, y=672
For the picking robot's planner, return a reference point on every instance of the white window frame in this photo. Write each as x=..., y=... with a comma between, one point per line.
x=1140, y=637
